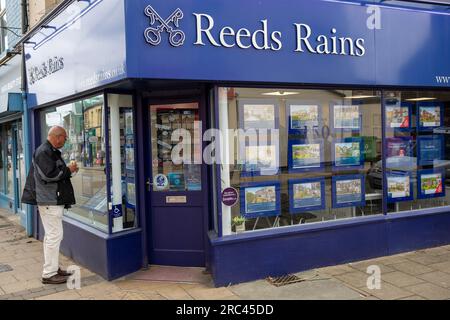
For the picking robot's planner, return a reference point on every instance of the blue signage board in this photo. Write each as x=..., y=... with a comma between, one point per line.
x=97, y=42
x=265, y=41
x=310, y=41
x=82, y=48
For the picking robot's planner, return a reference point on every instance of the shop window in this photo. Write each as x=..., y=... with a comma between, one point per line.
x=417, y=150
x=176, y=168
x=122, y=162
x=20, y=164
x=86, y=145
x=294, y=157
x=9, y=161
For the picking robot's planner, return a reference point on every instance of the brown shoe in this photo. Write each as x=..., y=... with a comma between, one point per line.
x=64, y=273
x=56, y=279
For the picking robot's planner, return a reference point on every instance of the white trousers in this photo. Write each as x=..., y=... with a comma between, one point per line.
x=51, y=217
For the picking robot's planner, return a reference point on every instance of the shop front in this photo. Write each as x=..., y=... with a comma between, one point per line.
x=284, y=137
x=12, y=162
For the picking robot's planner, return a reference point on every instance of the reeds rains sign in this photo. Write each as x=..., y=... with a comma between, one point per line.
x=263, y=38
x=46, y=68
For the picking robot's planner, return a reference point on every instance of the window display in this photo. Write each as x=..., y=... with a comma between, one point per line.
x=122, y=156
x=172, y=126
x=85, y=124
x=86, y=145
x=301, y=170
x=333, y=163
x=418, y=161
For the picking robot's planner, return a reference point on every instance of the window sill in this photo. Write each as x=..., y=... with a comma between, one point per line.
x=322, y=226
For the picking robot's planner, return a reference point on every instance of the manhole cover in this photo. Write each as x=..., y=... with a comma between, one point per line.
x=5, y=268
x=284, y=280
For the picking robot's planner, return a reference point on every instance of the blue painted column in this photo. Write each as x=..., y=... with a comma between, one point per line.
x=27, y=220
x=28, y=223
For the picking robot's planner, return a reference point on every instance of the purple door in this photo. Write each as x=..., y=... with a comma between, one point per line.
x=176, y=184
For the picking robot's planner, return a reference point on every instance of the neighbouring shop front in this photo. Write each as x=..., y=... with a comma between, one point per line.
x=273, y=139
x=12, y=156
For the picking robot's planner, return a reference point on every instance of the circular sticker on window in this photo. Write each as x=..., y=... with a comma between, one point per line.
x=230, y=197
x=161, y=182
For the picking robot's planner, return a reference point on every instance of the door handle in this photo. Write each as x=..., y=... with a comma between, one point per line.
x=149, y=184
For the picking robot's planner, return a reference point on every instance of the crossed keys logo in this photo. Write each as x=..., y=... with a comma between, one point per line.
x=153, y=35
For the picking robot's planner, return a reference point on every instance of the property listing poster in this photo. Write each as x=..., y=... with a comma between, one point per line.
x=308, y=195
x=398, y=117
x=347, y=153
x=259, y=116
x=399, y=187
x=306, y=155
x=303, y=116
x=431, y=184
x=348, y=192
x=399, y=152
x=260, y=200
x=429, y=116
x=346, y=117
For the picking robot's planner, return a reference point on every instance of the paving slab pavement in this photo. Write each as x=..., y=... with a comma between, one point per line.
x=419, y=275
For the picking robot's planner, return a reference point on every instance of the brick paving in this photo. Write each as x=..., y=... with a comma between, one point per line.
x=418, y=275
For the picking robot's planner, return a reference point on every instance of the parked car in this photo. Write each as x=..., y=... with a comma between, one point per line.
x=402, y=165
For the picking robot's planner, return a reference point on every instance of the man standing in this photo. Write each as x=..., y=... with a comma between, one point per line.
x=48, y=186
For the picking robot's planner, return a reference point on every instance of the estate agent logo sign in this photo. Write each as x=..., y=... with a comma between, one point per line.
x=153, y=35
x=45, y=69
x=208, y=33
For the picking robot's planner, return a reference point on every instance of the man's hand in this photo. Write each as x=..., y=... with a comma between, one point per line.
x=73, y=167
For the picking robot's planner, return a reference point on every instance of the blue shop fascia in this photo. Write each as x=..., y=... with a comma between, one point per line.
x=333, y=140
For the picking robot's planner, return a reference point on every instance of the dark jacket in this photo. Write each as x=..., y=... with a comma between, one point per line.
x=48, y=182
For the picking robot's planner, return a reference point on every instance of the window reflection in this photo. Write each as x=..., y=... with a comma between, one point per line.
x=417, y=144
x=307, y=159
x=84, y=123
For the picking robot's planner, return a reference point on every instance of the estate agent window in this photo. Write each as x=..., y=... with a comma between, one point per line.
x=86, y=128
x=308, y=156
x=417, y=150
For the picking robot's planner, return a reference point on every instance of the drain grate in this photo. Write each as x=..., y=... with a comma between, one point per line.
x=284, y=280
x=5, y=268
